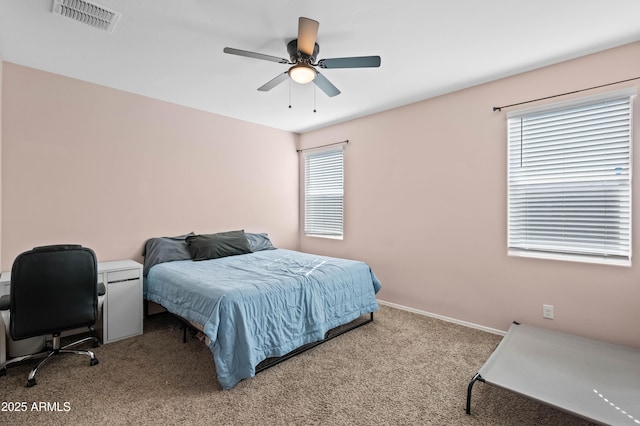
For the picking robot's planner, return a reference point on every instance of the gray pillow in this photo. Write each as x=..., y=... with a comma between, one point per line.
x=213, y=246
x=165, y=249
x=258, y=242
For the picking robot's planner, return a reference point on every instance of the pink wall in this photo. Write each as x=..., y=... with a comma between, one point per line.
x=425, y=191
x=85, y=164
x=425, y=205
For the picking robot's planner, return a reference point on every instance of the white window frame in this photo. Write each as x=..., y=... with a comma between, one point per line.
x=324, y=193
x=554, y=178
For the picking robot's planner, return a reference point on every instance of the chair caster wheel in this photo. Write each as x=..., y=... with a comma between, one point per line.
x=3, y=372
x=94, y=361
x=96, y=344
x=31, y=382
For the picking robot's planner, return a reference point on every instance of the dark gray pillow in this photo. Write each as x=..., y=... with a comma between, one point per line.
x=258, y=242
x=165, y=249
x=213, y=246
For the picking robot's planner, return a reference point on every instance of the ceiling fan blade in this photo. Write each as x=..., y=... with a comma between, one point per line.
x=326, y=86
x=254, y=55
x=274, y=82
x=307, y=34
x=352, y=62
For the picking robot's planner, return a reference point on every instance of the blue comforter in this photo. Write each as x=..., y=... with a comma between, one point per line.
x=264, y=304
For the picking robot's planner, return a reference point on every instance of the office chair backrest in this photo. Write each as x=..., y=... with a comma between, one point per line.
x=53, y=288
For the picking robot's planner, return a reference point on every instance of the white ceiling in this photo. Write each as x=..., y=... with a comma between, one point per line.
x=172, y=50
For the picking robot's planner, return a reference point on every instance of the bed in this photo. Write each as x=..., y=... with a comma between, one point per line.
x=592, y=379
x=261, y=304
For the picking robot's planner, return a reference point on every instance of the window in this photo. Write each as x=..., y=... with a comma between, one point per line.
x=323, y=193
x=569, y=180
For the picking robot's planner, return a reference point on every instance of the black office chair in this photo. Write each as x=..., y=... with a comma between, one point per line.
x=53, y=289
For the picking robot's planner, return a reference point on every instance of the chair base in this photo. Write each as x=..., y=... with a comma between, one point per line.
x=54, y=350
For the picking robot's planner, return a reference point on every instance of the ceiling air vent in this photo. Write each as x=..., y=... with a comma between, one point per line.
x=88, y=13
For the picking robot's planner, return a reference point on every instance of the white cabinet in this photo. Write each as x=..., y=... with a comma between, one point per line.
x=122, y=310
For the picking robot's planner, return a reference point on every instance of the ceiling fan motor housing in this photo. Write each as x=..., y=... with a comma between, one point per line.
x=297, y=56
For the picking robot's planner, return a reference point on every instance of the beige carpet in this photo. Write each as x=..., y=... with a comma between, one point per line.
x=403, y=369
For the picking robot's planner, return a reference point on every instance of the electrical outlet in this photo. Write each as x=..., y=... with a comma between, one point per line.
x=547, y=311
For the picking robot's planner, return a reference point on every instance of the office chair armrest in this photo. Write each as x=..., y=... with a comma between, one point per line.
x=3, y=343
x=5, y=302
x=102, y=290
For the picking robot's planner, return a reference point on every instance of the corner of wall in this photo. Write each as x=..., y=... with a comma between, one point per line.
x=297, y=139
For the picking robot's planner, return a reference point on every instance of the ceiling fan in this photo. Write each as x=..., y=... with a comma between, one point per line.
x=302, y=53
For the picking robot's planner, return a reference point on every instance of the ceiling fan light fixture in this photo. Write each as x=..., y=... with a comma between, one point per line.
x=302, y=73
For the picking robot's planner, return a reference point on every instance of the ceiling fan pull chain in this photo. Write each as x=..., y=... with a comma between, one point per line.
x=289, y=93
x=314, y=98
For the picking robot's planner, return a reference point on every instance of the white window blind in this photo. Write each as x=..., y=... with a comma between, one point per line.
x=569, y=181
x=323, y=193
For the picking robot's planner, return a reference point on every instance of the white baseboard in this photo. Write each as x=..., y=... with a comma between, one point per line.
x=443, y=318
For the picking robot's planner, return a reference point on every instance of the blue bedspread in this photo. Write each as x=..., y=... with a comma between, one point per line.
x=264, y=304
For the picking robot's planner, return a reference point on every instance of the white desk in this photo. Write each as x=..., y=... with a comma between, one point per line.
x=122, y=310
x=5, y=283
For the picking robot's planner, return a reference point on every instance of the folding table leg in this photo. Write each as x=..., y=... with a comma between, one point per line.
x=470, y=388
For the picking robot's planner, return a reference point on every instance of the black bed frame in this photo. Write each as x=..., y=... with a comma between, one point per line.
x=270, y=362
x=335, y=332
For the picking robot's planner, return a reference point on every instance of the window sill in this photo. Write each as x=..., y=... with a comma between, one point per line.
x=571, y=258
x=329, y=237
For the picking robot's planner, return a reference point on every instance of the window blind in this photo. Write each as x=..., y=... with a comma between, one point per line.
x=323, y=193
x=569, y=180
